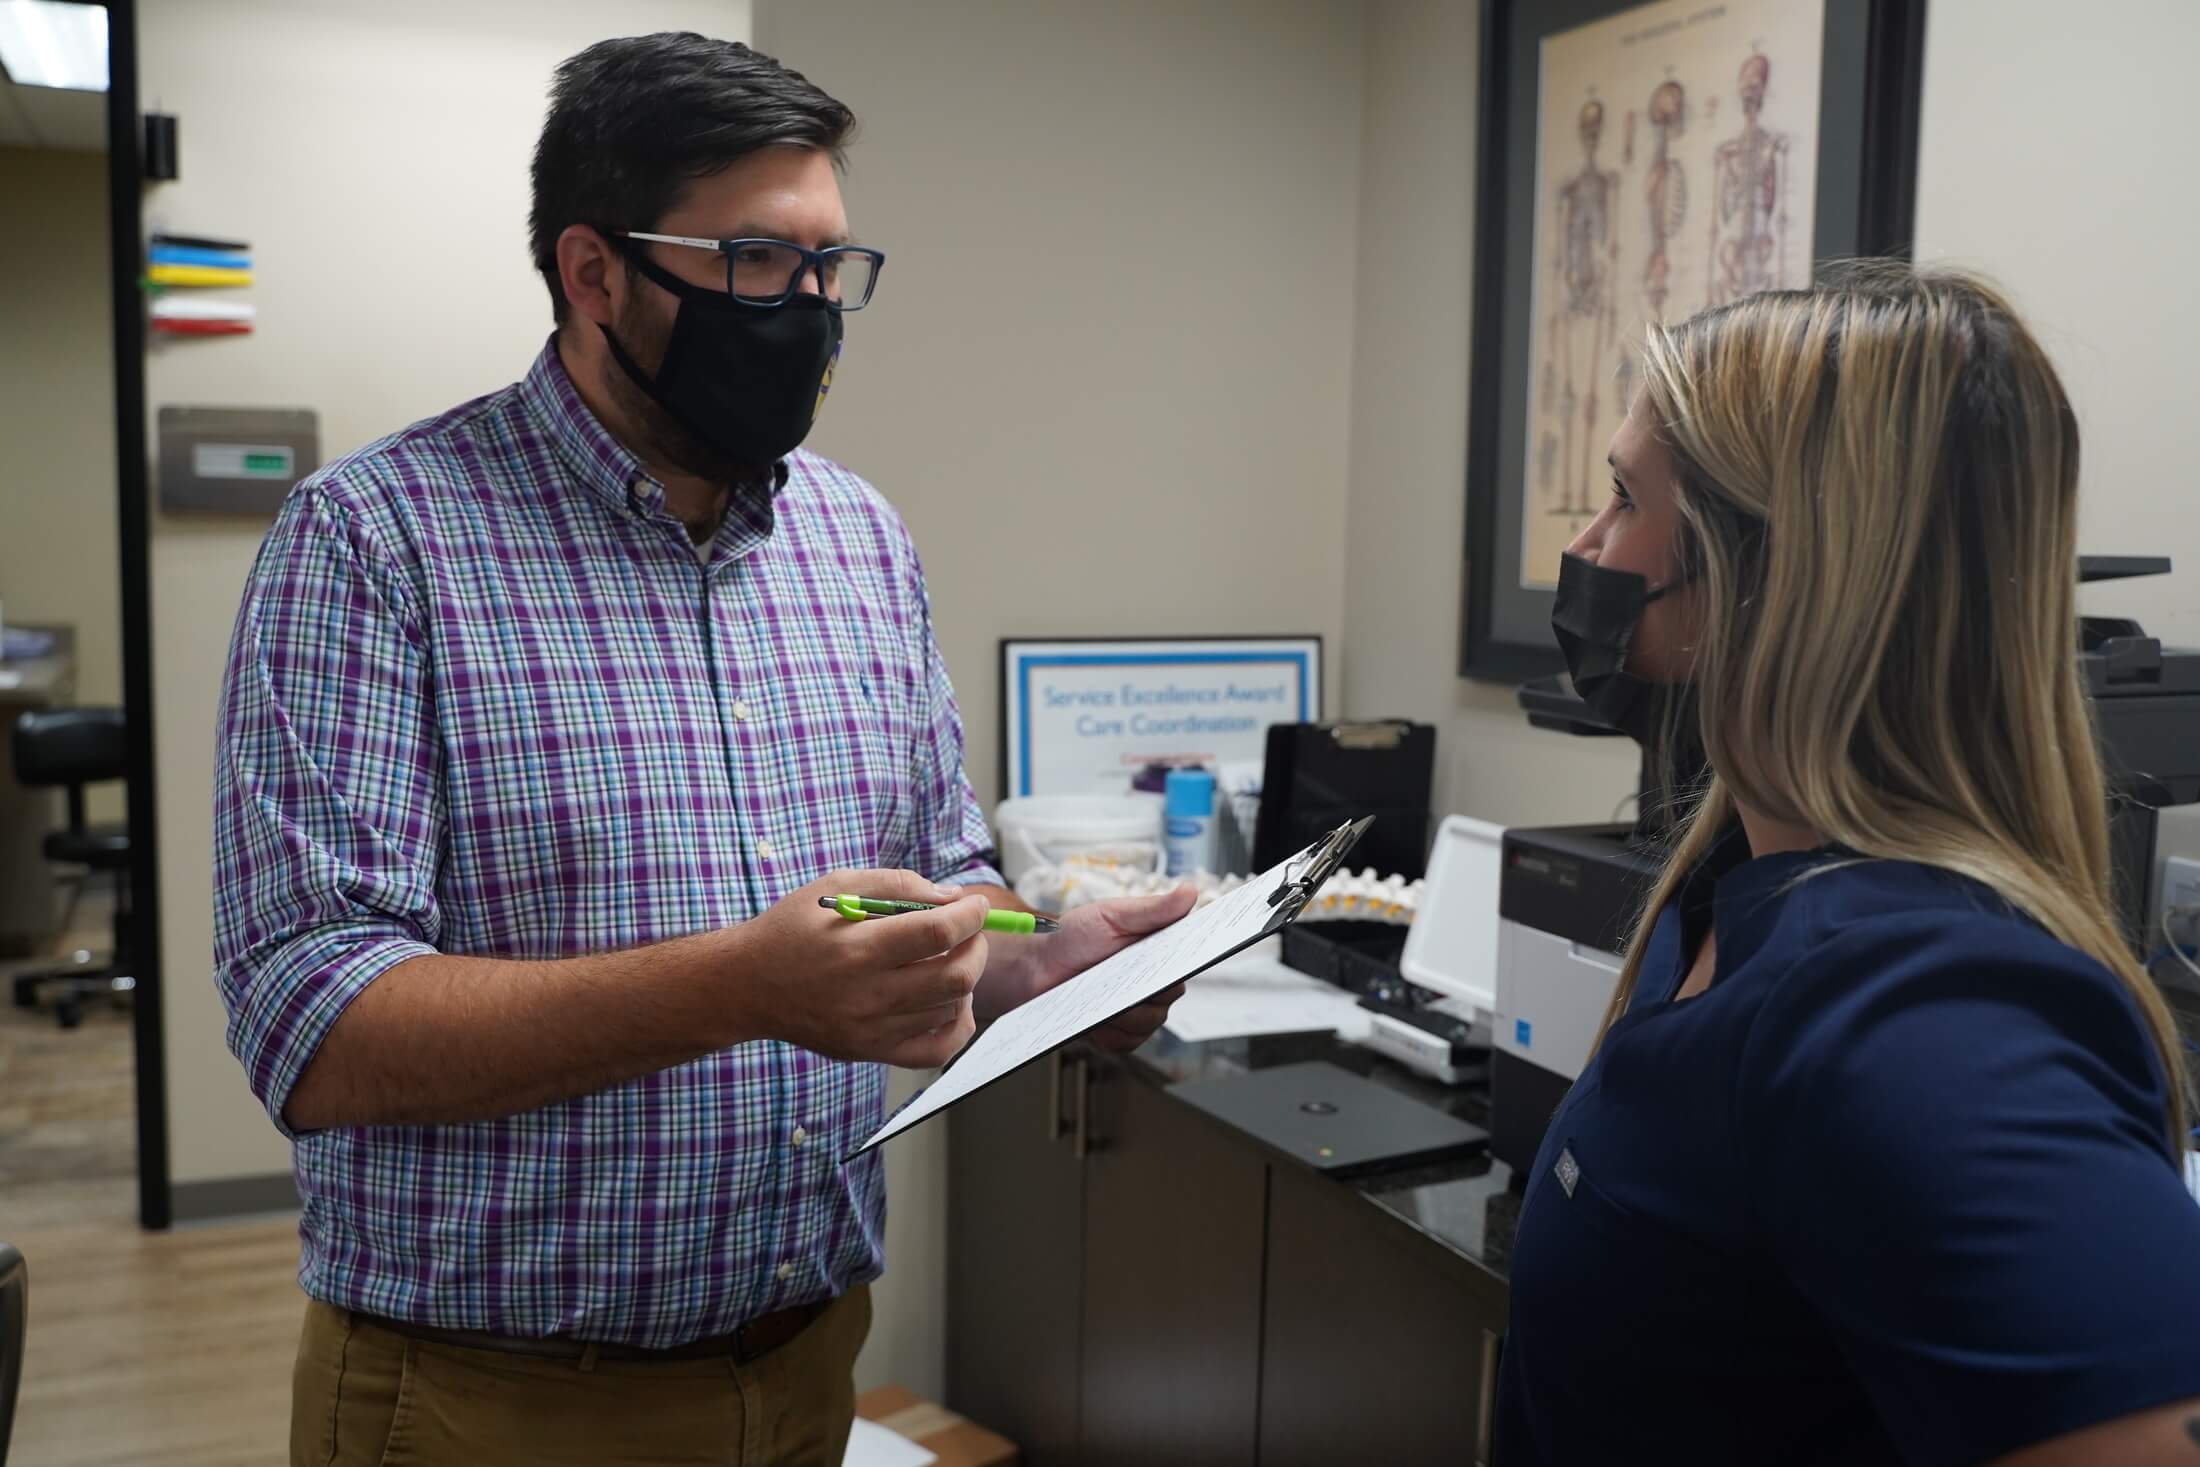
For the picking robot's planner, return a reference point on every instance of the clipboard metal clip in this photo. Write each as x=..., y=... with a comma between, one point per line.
x=1304, y=877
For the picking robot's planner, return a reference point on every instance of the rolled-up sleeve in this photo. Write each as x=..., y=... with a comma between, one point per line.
x=950, y=843
x=328, y=808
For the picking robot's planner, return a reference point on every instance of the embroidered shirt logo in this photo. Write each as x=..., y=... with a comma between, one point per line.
x=1569, y=1171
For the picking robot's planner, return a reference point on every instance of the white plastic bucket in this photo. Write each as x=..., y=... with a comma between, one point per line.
x=1044, y=830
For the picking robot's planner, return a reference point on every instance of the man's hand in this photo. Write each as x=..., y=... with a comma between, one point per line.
x=895, y=989
x=1093, y=932
x=1133, y=1027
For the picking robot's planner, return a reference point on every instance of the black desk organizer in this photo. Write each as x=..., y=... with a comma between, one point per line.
x=1318, y=775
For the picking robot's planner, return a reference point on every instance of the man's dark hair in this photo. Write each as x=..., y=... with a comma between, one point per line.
x=633, y=121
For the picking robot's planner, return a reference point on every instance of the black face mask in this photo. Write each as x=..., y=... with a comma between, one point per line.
x=746, y=380
x=1594, y=619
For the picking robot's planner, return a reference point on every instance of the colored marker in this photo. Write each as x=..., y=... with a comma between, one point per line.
x=858, y=909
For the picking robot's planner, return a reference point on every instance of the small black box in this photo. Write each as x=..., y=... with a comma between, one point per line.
x=1319, y=775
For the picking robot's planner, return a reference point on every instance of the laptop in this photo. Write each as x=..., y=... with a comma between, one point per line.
x=1333, y=1120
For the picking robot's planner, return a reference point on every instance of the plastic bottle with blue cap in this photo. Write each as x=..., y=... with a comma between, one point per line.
x=1188, y=821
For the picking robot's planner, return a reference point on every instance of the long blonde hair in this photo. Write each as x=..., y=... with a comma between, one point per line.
x=1877, y=480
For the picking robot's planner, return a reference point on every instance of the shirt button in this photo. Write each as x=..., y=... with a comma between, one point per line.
x=801, y=1137
x=740, y=712
x=786, y=1272
x=765, y=850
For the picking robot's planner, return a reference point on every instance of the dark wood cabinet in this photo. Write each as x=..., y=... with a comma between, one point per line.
x=1373, y=1350
x=1015, y=1260
x=1173, y=1222
x=1130, y=1281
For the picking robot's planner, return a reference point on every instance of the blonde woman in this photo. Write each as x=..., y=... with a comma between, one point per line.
x=1878, y=1157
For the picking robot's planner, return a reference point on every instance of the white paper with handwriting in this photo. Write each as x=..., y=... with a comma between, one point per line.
x=1098, y=994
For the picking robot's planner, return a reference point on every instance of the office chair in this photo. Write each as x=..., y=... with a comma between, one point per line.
x=69, y=748
x=14, y=1307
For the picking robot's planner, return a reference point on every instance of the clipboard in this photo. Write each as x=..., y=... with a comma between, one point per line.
x=1306, y=873
x=1212, y=934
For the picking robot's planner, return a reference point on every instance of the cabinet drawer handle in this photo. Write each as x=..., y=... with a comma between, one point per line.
x=1485, y=1416
x=1054, y=1096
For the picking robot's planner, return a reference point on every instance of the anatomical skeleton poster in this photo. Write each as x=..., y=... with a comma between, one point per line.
x=1676, y=152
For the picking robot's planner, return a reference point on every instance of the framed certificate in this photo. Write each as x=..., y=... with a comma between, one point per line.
x=1082, y=715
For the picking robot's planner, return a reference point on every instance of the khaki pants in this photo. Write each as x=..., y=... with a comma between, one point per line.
x=363, y=1396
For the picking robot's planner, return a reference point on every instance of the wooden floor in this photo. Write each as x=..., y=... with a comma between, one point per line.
x=68, y=1108
x=170, y=1348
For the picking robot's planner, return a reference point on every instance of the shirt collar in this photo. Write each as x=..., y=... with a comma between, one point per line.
x=750, y=519
x=1748, y=892
x=614, y=473
x=608, y=467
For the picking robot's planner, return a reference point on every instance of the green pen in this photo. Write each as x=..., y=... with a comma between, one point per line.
x=857, y=909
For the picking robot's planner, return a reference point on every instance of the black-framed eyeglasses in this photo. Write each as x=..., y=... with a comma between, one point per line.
x=771, y=272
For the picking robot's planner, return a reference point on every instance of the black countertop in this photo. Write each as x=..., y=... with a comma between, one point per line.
x=1468, y=1206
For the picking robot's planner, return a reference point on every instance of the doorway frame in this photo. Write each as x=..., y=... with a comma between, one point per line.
x=126, y=266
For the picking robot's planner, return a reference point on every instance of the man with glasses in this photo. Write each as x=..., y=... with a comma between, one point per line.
x=546, y=724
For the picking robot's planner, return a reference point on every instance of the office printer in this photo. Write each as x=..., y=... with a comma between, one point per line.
x=1568, y=896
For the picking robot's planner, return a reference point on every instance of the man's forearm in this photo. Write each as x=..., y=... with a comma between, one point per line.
x=445, y=1040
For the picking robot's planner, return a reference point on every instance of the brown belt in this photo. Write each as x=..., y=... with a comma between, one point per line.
x=760, y=1336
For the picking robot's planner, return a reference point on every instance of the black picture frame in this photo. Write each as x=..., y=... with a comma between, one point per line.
x=1865, y=205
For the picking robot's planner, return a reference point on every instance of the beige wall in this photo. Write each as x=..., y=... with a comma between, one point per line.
x=59, y=557
x=2057, y=158
x=1105, y=378
x=376, y=157
x=1403, y=554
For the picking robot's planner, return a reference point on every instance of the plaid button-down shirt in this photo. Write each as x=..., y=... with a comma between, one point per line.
x=484, y=698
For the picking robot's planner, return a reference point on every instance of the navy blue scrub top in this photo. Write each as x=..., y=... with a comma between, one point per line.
x=1893, y=1189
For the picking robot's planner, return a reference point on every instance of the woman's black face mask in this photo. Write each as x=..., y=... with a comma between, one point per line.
x=1594, y=619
